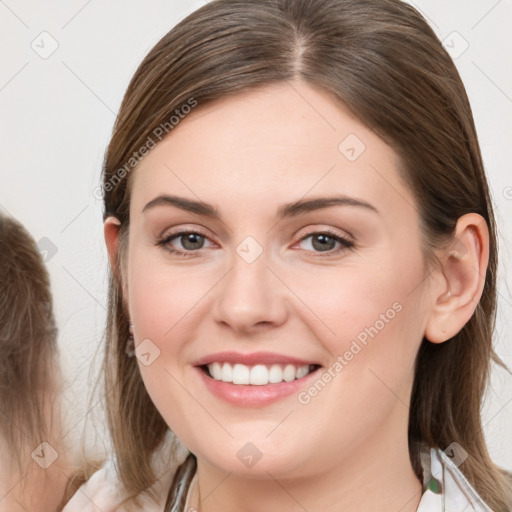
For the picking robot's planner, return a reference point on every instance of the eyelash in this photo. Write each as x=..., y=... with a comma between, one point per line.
x=164, y=243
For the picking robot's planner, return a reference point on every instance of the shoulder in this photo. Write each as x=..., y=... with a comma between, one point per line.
x=104, y=490
x=101, y=492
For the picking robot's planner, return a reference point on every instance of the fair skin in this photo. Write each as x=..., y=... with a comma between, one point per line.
x=247, y=155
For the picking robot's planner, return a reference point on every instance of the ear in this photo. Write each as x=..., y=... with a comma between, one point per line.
x=111, y=232
x=111, y=228
x=460, y=282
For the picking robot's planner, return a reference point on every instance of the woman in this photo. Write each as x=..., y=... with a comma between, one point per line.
x=33, y=459
x=254, y=137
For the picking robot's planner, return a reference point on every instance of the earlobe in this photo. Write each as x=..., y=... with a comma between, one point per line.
x=464, y=265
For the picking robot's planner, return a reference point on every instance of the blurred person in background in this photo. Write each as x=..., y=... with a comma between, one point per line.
x=32, y=453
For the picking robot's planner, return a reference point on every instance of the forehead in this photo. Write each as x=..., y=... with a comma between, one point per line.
x=276, y=142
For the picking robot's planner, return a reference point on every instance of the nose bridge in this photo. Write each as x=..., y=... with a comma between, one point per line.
x=249, y=294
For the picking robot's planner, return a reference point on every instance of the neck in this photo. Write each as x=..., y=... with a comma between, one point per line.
x=370, y=476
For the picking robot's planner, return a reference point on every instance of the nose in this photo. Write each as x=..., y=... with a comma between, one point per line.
x=250, y=297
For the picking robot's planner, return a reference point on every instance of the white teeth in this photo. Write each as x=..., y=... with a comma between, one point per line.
x=258, y=375
x=227, y=372
x=240, y=374
x=216, y=370
x=289, y=373
x=302, y=371
x=275, y=374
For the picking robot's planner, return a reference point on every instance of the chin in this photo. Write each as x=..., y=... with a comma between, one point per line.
x=254, y=460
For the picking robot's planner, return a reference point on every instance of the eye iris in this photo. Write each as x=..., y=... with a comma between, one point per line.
x=325, y=240
x=192, y=238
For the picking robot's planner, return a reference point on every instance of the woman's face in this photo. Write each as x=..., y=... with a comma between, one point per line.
x=267, y=289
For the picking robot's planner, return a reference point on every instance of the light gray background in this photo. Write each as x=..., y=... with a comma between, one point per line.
x=57, y=114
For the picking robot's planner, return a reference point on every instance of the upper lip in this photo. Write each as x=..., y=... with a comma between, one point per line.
x=250, y=359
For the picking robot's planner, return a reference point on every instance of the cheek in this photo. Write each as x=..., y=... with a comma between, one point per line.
x=359, y=298
x=375, y=318
x=162, y=299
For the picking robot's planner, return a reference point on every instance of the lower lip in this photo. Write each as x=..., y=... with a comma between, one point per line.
x=251, y=395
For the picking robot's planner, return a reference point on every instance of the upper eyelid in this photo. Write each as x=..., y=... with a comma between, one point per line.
x=182, y=231
x=301, y=233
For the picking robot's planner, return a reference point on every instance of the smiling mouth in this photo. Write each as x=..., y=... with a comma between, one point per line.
x=259, y=374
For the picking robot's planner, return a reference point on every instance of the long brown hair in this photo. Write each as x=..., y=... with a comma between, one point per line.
x=28, y=345
x=382, y=60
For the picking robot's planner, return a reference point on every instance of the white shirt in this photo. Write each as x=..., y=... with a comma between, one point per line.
x=446, y=489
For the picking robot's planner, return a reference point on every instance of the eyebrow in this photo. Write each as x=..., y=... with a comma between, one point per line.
x=292, y=209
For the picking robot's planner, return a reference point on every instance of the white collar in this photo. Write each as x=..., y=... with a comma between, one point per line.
x=446, y=488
